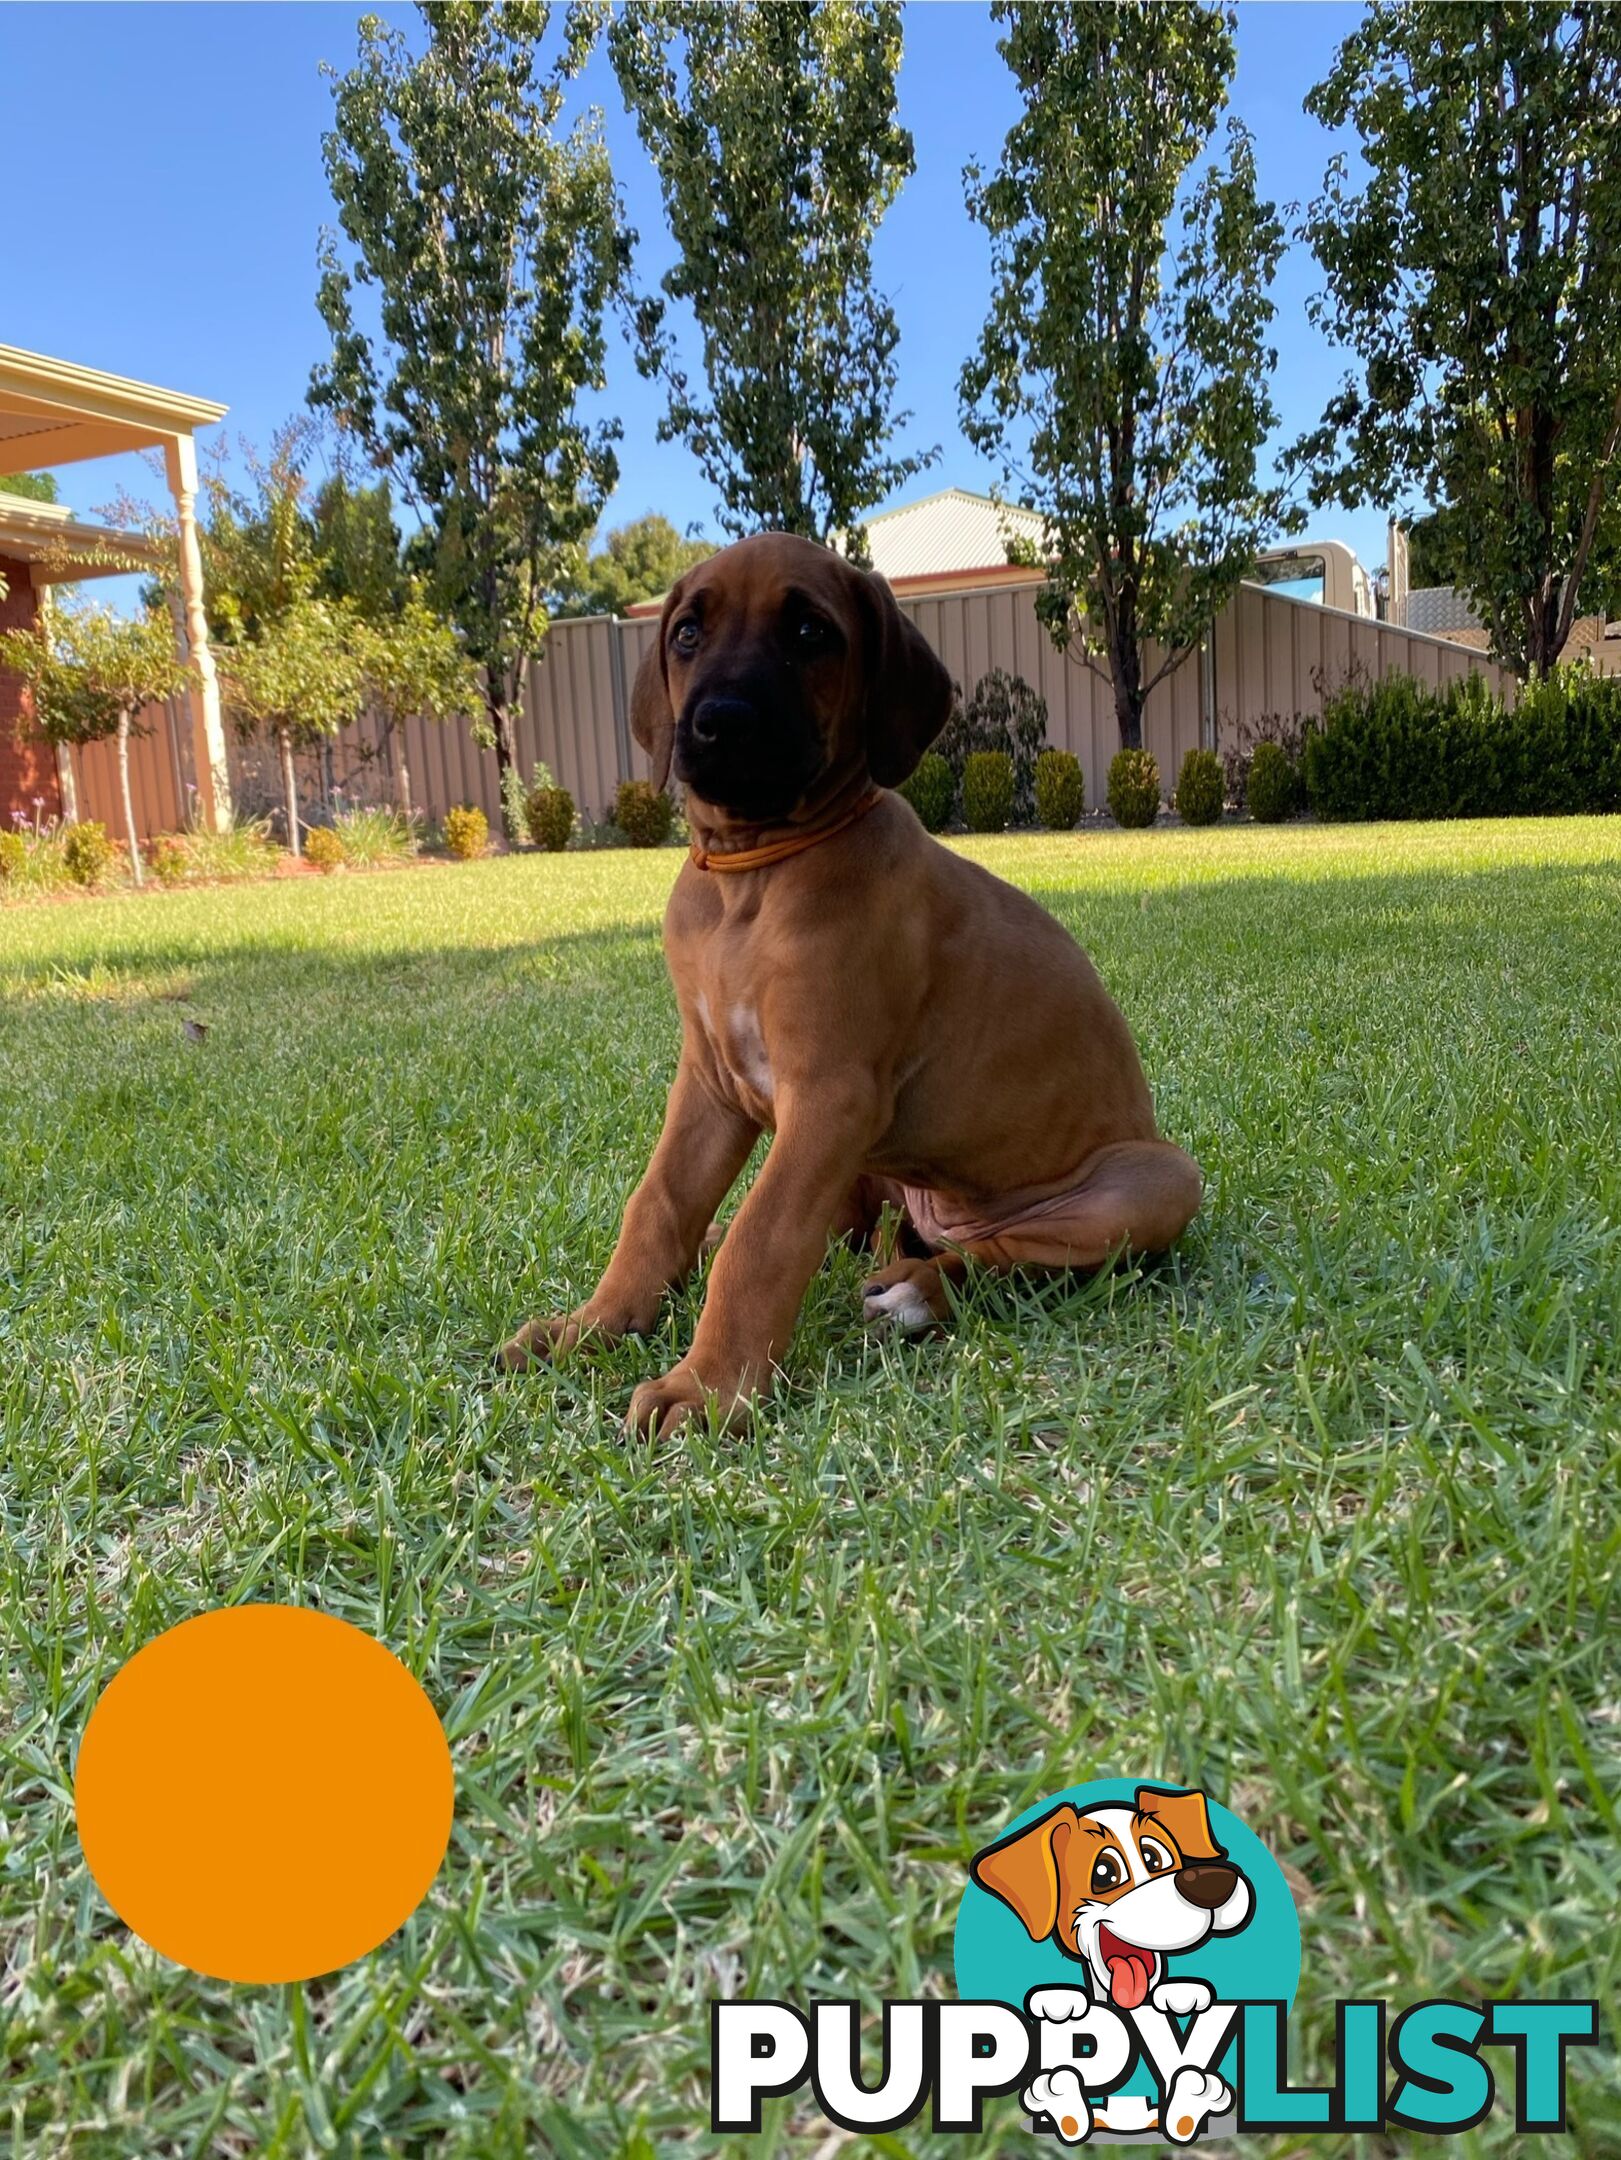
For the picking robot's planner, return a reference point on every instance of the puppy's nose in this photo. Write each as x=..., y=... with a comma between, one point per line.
x=1207, y=1883
x=713, y=717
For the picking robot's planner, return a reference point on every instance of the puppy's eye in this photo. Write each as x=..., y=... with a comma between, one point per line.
x=812, y=634
x=1155, y=1858
x=684, y=637
x=1107, y=1873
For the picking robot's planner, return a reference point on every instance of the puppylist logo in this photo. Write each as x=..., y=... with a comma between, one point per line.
x=1126, y=1958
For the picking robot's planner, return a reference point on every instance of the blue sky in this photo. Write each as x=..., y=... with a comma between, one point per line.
x=167, y=225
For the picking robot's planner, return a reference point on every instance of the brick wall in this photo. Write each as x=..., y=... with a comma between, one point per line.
x=27, y=763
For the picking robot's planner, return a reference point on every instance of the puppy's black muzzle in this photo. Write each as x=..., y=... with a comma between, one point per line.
x=748, y=755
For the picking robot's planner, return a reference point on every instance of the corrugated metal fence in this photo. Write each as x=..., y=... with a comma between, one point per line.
x=1269, y=654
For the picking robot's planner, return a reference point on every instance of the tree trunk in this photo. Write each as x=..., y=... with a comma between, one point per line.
x=396, y=737
x=1544, y=645
x=289, y=784
x=1126, y=671
x=67, y=783
x=124, y=793
x=501, y=723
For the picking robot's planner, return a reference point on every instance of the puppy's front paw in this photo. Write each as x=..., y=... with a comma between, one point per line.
x=659, y=1406
x=1182, y=1998
x=1194, y=2098
x=537, y=1342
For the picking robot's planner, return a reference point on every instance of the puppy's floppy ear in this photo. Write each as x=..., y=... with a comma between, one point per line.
x=908, y=688
x=652, y=719
x=1186, y=1817
x=1023, y=1871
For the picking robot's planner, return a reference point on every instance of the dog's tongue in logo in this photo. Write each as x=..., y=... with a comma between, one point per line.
x=1130, y=1969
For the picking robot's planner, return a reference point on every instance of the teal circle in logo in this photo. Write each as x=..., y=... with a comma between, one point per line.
x=1259, y=1961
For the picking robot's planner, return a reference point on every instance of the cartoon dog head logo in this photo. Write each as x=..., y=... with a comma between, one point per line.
x=1120, y=1888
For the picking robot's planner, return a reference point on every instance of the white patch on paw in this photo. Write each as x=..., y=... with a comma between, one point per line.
x=1182, y=1998
x=1060, y=2094
x=1195, y=2096
x=901, y=1305
x=1059, y=2005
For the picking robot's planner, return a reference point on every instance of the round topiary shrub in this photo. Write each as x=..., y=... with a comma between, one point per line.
x=467, y=832
x=323, y=850
x=931, y=791
x=987, y=791
x=1199, y=788
x=642, y=814
x=86, y=852
x=1060, y=789
x=549, y=814
x=1273, y=786
x=1134, y=787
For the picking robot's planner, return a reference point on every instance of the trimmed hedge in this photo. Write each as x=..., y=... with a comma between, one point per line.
x=1134, y=788
x=87, y=852
x=931, y=790
x=1060, y=789
x=549, y=814
x=1199, y=788
x=987, y=791
x=467, y=831
x=1395, y=749
x=323, y=849
x=643, y=814
x=1274, y=790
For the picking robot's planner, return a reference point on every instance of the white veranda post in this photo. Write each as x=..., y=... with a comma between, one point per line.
x=207, y=732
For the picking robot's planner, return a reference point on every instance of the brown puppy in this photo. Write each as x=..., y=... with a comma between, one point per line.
x=908, y=1027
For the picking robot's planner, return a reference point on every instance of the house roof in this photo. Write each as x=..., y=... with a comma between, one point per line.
x=53, y=412
x=1440, y=609
x=941, y=541
x=60, y=549
x=950, y=531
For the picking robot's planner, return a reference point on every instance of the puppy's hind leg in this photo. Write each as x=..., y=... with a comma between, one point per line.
x=1132, y=1198
x=913, y=1295
x=1135, y=1197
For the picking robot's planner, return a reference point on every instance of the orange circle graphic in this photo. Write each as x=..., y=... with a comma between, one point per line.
x=264, y=1793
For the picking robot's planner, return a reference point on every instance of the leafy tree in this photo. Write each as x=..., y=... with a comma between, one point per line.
x=35, y=486
x=494, y=243
x=411, y=662
x=357, y=547
x=778, y=152
x=1434, y=556
x=90, y=673
x=298, y=681
x=1476, y=275
x=259, y=546
x=639, y=561
x=1121, y=379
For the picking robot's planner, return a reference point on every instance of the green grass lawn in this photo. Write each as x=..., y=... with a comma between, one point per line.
x=1322, y=1514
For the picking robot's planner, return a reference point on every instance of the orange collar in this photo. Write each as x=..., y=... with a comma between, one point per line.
x=756, y=858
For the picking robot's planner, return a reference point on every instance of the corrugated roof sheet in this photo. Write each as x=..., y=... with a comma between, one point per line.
x=1438, y=609
x=952, y=530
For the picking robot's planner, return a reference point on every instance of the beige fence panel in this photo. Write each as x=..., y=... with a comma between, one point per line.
x=1268, y=655
x=157, y=777
x=638, y=636
x=574, y=718
x=974, y=632
x=1274, y=655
